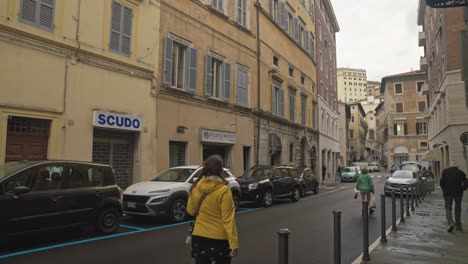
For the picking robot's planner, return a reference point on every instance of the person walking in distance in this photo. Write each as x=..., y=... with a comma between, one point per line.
x=453, y=182
x=214, y=236
x=365, y=186
x=324, y=172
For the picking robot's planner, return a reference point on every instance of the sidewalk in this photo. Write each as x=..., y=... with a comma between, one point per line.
x=424, y=237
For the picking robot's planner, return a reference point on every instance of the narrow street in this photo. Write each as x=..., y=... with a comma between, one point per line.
x=310, y=221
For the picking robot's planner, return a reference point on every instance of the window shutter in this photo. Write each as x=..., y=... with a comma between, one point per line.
x=283, y=15
x=191, y=70
x=168, y=45
x=417, y=129
x=28, y=10
x=116, y=26
x=306, y=40
x=281, y=103
x=395, y=129
x=126, y=30
x=208, y=75
x=242, y=88
x=296, y=29
x=406, y=129
x=46, y=13
x=226, y=85
x=273, y=100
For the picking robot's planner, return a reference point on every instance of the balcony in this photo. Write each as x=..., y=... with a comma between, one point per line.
x=422, y=39
x=423, y=63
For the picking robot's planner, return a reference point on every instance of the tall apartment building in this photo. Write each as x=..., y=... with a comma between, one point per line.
x=286, y=112
x=208, y=83
x=357, y=132
x=352, y=84
x=77, y=83
x=343, y=127
x=447, y=110
x=403, y=117
x=328, y=117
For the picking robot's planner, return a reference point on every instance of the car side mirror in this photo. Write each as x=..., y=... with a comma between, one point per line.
x=194, y=180
x=20, y=190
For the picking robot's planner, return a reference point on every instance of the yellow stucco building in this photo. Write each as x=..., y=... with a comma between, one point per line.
x=77, y=82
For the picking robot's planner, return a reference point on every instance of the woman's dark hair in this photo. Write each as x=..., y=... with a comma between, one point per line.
x=212, y=166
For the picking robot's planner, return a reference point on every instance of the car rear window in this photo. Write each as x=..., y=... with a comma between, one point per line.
x=349, y=169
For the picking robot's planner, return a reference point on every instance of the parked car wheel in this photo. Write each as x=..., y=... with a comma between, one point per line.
x=178, y=211
x=108, y=220
x=296, y=194
x=267, y=199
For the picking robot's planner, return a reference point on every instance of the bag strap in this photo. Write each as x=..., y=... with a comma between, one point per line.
x=202, y=198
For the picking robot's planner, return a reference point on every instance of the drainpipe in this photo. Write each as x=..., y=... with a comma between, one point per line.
x=257, y=143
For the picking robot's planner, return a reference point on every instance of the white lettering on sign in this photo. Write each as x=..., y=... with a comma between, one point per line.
x=214, y=136
x=116, y=121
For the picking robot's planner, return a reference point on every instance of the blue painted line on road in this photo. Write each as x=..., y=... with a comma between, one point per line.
x=136, y=231
x=132, y=227
x=68, y=244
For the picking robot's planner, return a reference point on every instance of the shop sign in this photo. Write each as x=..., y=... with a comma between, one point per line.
x=116, y=121
x=214, y=136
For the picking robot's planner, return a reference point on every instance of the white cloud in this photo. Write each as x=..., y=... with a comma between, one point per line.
x=380, y=36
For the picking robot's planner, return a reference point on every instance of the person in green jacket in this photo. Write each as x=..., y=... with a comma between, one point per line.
x=365, y=186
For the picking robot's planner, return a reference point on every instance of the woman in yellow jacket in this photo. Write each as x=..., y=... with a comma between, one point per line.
x=214, y=236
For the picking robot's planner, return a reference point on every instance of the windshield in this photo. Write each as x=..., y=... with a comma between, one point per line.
x=11, y=167
x=174, y=175
x=402, y=175
x=349, y=169
x=410, y=167
x=257, y=173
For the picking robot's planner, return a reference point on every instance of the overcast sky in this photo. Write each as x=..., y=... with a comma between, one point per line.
x=380, y=36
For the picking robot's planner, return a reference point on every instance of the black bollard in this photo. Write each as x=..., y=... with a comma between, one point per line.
x=394, y=227
x=337, y=225
x=407, y=200
x=402, y=206
x=365, y=214
x=283, y=246
x=413, y=193
x=420, y=192
x=383, y=237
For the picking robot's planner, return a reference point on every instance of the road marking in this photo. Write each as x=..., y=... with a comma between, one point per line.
x=374, y=245
x=136, y=231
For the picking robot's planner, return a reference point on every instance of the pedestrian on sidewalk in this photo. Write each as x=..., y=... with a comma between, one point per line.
x=453, y=182
x=214, y=236
x=324, y=172
x=365, y=186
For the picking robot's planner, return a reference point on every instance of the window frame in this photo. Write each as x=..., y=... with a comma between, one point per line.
x=121, y=34
x=245, y=12
x=395, y=88
x=419, y=108
x=417, y=87
x=402, y=107
x=241, y=68
x=37, y=14
x=292, y=104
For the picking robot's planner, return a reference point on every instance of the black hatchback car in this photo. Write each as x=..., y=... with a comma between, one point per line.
x=263, y=183
x=46, y=195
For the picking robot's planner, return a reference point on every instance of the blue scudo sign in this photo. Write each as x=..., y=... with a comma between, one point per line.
x=116, y=121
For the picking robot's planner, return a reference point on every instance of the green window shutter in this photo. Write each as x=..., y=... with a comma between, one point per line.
x=167, y=76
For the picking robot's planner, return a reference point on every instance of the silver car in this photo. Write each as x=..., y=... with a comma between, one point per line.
x=399, y=179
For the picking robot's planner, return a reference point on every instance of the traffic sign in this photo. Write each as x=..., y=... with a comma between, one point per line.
x=464, y=138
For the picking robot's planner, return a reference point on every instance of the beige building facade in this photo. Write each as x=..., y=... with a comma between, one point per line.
x=373, y=152
x=404, y=118
x=76, y=94
x=208, y=82
x=357, y=132
x=345, y=118
x=447, y=111
x=351, y=84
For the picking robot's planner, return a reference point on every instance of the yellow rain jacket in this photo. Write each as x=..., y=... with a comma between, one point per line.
x=216, y=219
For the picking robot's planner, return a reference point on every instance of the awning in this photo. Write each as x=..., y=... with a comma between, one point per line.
x=432, y=155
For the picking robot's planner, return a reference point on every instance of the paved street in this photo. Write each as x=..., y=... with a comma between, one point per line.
x=310, y=221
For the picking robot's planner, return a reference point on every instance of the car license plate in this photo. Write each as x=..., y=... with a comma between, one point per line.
x=131, y=205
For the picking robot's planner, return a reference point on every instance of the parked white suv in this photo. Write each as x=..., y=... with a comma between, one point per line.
x=167, y=194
